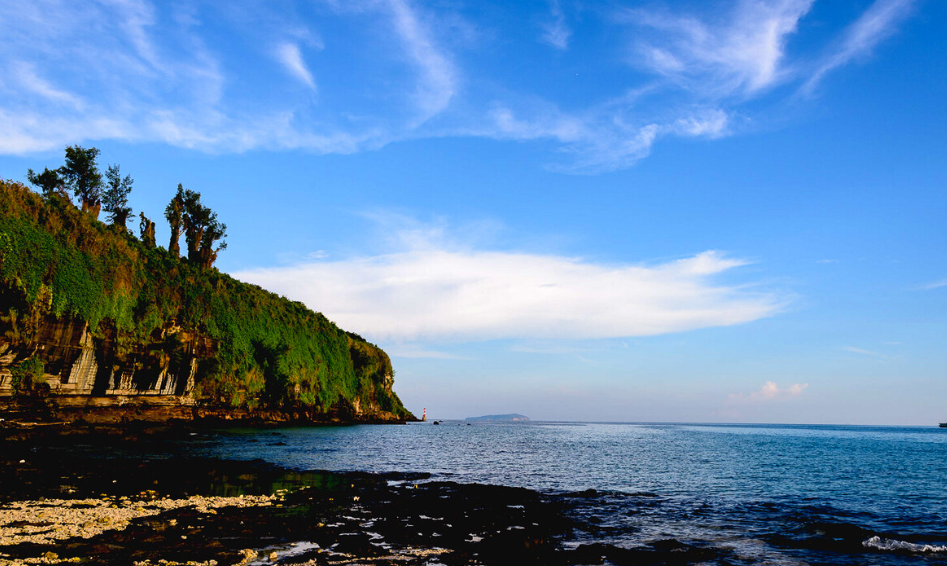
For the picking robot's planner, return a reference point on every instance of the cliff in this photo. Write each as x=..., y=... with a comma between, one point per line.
x=98, y=325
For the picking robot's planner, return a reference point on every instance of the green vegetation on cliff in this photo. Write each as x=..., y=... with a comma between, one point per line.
x=257, y=349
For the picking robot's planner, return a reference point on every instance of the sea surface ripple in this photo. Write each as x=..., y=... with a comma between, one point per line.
x=769, y=494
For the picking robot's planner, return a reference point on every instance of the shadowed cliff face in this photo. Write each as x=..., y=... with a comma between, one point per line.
x=98, y=319
x=78, y=363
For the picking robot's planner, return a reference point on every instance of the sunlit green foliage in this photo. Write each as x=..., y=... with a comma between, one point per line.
x=27, y=378
x=268, y=351
x=174, y=214
x=146, y=229
x=81, y=174
x=201, y=228
x=115, y=196
x=50, y=182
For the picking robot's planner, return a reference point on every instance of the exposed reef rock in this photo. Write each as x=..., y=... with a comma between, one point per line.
x=96, y=325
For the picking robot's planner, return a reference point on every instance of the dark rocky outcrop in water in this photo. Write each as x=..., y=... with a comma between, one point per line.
x=99, y=326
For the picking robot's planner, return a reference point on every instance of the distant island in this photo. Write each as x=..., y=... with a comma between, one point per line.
x=510, y=418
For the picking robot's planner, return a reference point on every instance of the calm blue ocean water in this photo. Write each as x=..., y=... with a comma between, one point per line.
x=774, y=494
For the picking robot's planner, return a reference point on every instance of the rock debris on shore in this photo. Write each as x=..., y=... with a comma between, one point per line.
x=48, y=520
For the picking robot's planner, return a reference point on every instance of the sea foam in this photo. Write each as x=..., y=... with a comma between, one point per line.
x=891, y=544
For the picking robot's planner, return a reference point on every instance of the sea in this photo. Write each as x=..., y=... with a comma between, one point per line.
x=767, y=494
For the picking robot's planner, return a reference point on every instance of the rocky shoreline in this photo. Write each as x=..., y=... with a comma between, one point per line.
x=175, y=409
x=120, y=495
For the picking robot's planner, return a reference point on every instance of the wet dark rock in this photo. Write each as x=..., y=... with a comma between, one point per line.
x=585, y=493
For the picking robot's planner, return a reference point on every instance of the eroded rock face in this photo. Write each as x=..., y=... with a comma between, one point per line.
x=78, y=363
x=95, y=379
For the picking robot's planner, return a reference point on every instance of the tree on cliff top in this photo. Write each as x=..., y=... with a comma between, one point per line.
x=174, y=214
x=185, y=213
x=201, y=228
x=82, y=175
x=147, y=229
x=50, y=182
x=115, y=197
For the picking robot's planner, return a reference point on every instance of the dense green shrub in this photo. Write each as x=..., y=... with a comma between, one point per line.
x=27, y=378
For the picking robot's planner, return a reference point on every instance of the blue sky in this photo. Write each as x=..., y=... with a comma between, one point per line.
x=626, y=211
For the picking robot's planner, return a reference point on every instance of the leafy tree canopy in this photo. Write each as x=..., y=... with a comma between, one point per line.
x=202, y=230
x=199, y=223
x=50, y=182
x=174, y=214
x=115, y=197
x=82, y=176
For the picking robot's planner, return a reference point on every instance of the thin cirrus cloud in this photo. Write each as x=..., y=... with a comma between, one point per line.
x=864, y=352
x=744, y=54
x=934, y=285
x=437, y=81
x=597, y=141
x=555, y=31
x=877, y=23
x=291, y=58
x=770, y=391
x=26, y=77
x=431, y=292
x=139, y=70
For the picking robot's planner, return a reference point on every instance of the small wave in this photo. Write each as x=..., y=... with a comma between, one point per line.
x=891, y=544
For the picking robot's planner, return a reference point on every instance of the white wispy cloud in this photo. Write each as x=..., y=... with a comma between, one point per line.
x=27, y=78
x=709, y=65
x=770, y=391
x=134, y=17
x=597, y=140
x=544, y=347
x=406, y=351
x=555, y=31
x=743, y=54
x=289, y=55
x=433, y=291
x=865, y=352
x=875, y=24
x=112, y=73
x=934, y=285
x=438, y=75
x=142, y=71
x=710, y=124
x=26, y=132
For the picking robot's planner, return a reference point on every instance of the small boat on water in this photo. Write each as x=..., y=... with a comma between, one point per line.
x=943, y=425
